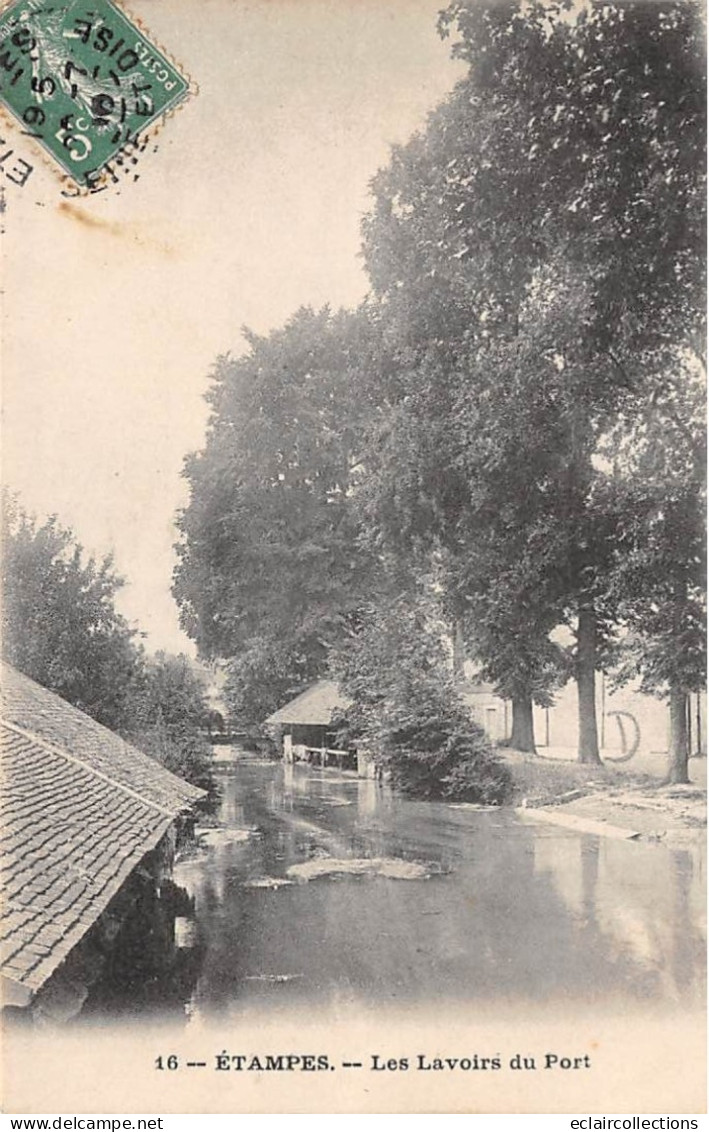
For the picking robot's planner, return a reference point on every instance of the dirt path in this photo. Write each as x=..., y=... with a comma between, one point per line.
x=622, y=801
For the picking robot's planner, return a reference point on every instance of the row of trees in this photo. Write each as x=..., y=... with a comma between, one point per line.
x=60, y=626
x=511, y=426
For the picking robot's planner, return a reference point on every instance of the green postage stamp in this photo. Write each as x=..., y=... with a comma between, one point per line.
x=83, y=80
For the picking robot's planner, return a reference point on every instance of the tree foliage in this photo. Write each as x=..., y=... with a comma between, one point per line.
x=575, y=131
x=658, y=580
x=406, y=709
x=59, y=622
x=267, y=674
x=168, y=713
x=536, y=259
x=61, y=628
x=537, y=252
x=270, y=565
x=658, y=461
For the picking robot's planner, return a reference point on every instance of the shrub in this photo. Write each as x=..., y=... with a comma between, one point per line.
x=407, y=712
x=169, y=708
x=464, y=769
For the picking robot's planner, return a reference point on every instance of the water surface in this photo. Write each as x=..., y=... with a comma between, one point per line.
x=507, y=912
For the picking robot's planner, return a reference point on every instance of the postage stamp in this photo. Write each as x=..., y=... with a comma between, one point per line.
x=83, y=80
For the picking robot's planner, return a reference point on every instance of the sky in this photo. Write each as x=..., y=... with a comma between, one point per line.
x=247, y=207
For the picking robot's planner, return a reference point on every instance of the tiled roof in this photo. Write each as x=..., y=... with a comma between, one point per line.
x=80, y=808
x=315, y=706
x=30, y=707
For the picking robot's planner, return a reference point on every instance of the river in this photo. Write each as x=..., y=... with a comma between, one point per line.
x=501, y=909
x=319, y=891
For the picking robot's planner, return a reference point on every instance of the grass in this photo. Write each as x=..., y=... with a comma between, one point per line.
x=543, y=781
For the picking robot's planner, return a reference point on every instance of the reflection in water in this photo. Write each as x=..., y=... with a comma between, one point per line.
x=513, y=911
x=645, y=904
x=152, y=965
x=516, y=911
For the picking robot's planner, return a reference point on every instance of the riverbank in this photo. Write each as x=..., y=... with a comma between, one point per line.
x=612, y=798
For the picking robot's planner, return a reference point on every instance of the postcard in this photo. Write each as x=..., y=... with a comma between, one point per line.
x=354, y=731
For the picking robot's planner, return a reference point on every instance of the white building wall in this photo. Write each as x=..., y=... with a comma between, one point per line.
x=624, y=716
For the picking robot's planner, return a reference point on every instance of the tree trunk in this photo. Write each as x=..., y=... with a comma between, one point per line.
x=458, y=652
x=586, y=682
x=678, y=754
x=522, y=738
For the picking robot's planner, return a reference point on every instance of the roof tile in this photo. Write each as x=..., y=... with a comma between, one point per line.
x=80, y=809
x=48, y=717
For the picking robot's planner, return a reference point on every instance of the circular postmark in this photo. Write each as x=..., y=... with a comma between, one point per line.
x=88, y=84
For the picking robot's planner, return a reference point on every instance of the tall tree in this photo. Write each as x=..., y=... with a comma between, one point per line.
x=658, y=465
x=60, y=626
x=59, y=622
x=553, y=177
x=269, y=555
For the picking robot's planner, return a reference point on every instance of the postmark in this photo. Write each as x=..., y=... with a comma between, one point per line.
x=86, y=82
